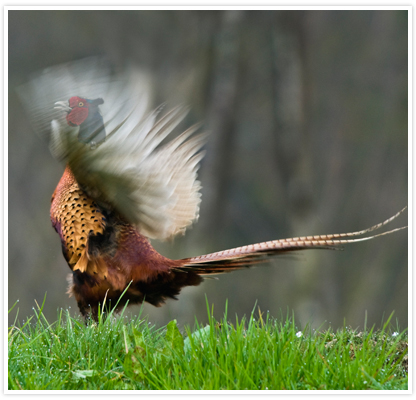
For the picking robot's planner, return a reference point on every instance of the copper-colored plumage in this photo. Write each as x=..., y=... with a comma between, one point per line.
x=75, y=216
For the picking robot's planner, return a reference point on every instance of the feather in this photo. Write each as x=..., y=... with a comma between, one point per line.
x=245, y=256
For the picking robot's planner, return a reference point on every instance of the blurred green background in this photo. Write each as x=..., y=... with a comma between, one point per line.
x=308, y=114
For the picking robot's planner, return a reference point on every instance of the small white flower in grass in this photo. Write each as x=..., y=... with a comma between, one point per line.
x=299, y=334
x=394, y=334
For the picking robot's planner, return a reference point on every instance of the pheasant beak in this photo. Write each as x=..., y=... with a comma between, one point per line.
x=63, y=106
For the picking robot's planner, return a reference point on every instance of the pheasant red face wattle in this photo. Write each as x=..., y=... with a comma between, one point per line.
x=80, y=109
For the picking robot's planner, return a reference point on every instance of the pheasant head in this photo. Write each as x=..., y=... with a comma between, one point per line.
x=85, y=114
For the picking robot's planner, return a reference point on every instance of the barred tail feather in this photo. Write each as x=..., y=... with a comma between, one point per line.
x=246, y=256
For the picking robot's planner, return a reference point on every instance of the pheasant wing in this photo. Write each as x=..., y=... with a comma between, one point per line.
x=137, y=171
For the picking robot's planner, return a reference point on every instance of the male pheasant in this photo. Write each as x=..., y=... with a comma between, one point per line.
x=125, y=183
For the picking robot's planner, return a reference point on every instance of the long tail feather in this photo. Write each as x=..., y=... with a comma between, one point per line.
x=246, y=256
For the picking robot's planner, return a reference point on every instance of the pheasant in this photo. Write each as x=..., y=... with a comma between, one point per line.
x=125, y=183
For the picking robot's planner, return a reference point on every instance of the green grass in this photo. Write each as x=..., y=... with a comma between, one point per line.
x=255, y=353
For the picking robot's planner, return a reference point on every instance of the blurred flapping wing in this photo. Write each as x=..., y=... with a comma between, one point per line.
x=137, y=171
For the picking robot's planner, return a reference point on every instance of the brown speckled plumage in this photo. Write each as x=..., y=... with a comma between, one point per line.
x=74, y=216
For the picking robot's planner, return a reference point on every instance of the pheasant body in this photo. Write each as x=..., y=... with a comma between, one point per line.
x=107, y=254
x=126, y=182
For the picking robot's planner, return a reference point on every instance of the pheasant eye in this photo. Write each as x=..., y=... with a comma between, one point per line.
x=80, y=104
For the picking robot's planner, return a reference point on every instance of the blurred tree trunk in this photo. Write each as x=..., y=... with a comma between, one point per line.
x=292, y=146
x=291, y=139
x=221, y=124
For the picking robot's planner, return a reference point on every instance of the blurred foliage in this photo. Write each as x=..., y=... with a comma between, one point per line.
x=308, y=118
